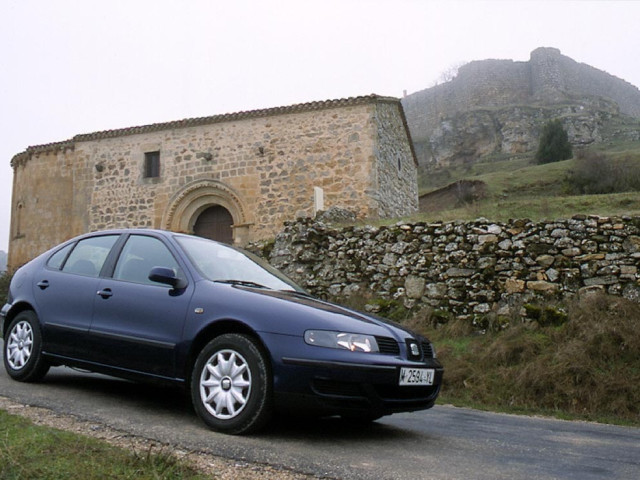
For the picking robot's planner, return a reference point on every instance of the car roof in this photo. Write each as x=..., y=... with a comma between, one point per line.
x=120, y=231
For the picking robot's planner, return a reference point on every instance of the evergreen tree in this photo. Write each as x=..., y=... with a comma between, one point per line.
x=554, y=143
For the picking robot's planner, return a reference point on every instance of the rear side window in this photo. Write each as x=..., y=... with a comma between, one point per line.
x=89, y=255
x=139, y=255
x=56, y=260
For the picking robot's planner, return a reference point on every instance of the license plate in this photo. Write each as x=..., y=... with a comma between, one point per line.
x=416, y=376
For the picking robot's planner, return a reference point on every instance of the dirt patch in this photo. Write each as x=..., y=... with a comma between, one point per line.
x=453, y=195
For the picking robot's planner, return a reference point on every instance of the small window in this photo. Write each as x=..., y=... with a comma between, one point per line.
x=89, y=255
x=151, y=164
x=139, y=255
x=57, y=259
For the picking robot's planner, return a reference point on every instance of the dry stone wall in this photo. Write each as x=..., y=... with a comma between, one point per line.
x=470, y=269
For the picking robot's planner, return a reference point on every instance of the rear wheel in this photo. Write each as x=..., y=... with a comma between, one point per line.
x=231, y=385
x=23, y=358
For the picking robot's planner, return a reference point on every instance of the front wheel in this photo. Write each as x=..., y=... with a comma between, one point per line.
x=231, y=385
x=23, y=358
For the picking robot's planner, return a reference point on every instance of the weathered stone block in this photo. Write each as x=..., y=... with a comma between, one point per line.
x=491, y=238
x=609, y=280
x=513, y=285
x=542, y=286
x=545, y=260
x=436, y=290
x=631, y=244
x=414, y=286
x=460, y=272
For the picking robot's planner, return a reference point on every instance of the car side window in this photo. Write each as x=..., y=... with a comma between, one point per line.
x=89, y=255
x=55, y=261
x=139, y=255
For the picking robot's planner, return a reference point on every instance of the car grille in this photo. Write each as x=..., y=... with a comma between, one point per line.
x=332, y=387
x=391, y=392
x=388, y=345
x=427, y=350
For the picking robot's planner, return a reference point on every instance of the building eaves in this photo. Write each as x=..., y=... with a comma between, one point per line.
x=194, y=122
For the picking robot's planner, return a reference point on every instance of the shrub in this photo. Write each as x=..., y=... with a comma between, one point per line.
x=554, y=143
x=596, y=173
x=5, y=280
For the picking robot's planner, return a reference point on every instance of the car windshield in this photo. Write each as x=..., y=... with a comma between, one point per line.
x=221, y=263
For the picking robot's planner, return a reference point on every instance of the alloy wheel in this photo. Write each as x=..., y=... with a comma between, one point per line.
x=19, y=345
x=225, y=384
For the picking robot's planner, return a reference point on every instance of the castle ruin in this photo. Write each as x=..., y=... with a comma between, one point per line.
x=498, y=106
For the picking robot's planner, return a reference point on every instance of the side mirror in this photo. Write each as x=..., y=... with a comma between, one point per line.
x=166, y=276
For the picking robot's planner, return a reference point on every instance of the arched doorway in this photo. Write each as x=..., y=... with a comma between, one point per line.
x=215, y=223
x=187, y=207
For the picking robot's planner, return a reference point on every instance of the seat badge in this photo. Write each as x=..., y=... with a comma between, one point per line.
x=415, y=351
x=199, y=310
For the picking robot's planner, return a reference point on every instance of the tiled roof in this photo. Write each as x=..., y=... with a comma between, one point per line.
x=192, y=122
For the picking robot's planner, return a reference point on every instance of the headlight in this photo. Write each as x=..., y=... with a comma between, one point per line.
x=355, y=342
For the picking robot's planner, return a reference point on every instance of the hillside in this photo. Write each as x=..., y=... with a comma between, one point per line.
x=516, y=188
x=494, y=109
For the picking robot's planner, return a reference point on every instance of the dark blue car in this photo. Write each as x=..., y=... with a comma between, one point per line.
x=244, y=339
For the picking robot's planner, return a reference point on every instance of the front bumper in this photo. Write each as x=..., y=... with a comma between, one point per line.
x=334, y=387
x=3, y=315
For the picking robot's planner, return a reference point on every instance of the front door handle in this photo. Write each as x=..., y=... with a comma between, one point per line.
x=43, y=284
x=105, y=293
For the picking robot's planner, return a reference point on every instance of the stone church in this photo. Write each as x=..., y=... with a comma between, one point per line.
x=235, y=177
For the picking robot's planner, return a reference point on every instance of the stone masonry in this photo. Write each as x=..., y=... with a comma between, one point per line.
x=470, y=269
x=261, y=166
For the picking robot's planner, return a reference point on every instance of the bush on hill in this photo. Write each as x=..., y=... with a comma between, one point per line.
x=597, y=173
x=554, y=143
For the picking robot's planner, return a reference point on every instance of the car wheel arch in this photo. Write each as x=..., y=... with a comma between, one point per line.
x=16, y=309
x=215, y=329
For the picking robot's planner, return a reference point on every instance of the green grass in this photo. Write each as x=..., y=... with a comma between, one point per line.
x=30, y=451
x=540, y=208
x=518, y=189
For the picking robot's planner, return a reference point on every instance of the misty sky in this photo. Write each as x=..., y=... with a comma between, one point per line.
x=70, y=67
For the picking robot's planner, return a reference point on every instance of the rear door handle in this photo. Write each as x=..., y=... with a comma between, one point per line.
x=105, y=293
x=43, y=284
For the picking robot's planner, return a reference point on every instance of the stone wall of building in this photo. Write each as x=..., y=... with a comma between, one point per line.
x=397, y=175
x=262, y=166
x=43, y=208
x=470, y=269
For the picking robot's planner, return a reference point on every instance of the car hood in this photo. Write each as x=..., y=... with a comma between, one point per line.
x=288, y=312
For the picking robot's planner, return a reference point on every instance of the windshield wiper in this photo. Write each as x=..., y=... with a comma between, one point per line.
x=297, y=292
x=244, y=283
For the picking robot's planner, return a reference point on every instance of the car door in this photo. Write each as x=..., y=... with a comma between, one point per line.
x=65, y=290
x=137, y=323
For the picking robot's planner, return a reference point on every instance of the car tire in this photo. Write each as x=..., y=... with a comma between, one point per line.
x=23, y=358
x=231, y=386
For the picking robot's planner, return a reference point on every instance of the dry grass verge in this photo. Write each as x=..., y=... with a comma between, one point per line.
x=587, y=367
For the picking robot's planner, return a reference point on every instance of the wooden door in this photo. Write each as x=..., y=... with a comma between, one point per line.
x=215, y=223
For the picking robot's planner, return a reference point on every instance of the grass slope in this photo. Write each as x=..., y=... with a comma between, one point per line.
x=518, y=189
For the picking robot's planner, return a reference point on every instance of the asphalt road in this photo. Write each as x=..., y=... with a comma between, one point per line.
x=441, y=443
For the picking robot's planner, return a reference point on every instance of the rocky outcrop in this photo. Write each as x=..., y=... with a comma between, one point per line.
x=470, y=269
x=499, y=107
